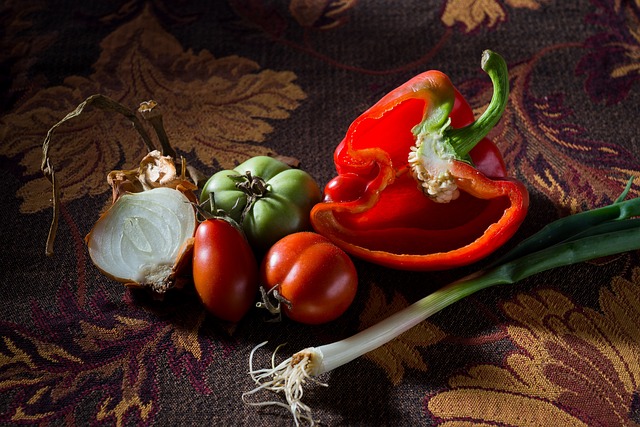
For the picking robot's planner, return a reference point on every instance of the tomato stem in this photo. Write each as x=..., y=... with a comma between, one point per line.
x=253, y=186
x=215, y=213
x=273, y=307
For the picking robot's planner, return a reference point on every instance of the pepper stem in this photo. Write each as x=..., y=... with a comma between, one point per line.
x=464, y=139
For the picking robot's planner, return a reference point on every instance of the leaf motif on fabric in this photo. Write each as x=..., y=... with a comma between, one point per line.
x=612, y=64
x=472, y=14
x=575, y=365
x=20, y=47
x=526, y=4
x=108, y=362
x=185, y=337
x=402, y=352
x=549, y=153
x=325, y=14
x=222, y=113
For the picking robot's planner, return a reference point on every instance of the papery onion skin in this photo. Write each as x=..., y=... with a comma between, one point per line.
x=155, y=171
x=142, y=238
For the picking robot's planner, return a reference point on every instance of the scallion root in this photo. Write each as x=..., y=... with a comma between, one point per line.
x=290, y=377
x=573, y=239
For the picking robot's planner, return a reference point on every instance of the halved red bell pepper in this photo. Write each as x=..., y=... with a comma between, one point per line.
x=419, y=185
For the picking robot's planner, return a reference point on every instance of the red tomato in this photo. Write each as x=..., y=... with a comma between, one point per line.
x=225, y=270
x=314, y=275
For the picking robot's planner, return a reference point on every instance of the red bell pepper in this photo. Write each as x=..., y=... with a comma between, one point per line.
x=419, y=186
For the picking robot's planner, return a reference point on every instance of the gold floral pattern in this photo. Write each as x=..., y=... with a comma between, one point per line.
x=16, y=18
x=550, y=153
x=402, y=352
x=77, y=349
x=119, y=350
x=472, y=14
x=222, y=113
x=616, y=48
x=324, y=14
x=575, y=365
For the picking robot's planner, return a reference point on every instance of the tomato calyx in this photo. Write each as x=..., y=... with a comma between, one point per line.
x=213, y=212
x=253, y=186
x=272, y=300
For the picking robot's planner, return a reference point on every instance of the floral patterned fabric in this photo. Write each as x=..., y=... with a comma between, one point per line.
x=238, y=78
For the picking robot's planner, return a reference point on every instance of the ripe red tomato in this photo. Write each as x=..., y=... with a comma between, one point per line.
x=316, y=277
x=225, y=270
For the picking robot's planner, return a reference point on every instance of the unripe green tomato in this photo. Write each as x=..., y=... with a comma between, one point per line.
x=266, y=197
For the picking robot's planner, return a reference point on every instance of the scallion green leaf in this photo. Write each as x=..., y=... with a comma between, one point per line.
x=573, y=239
x=572, y=225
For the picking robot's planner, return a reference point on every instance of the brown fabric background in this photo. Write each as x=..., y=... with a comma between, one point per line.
x=237, y=78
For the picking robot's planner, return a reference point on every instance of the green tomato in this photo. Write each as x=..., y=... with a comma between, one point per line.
x=266, y=197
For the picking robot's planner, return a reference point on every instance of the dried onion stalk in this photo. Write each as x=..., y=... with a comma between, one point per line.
x=145, y=238
x=157, y=169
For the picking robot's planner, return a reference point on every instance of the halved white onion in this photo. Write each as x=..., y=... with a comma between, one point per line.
x=141, y=237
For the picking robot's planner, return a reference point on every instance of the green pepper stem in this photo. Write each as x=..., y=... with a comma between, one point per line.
x=464, y=139
x=436, y=114
x=437, y=143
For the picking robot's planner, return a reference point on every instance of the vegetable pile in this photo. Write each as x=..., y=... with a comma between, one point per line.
x=155, y=235
x=419, y=187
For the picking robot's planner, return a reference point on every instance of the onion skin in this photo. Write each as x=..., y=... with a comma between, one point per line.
x=155, y=171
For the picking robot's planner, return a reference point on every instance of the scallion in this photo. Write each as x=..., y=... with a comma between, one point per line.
x=576, y=238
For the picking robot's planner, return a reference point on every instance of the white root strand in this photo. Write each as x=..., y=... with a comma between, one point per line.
x=289, y=377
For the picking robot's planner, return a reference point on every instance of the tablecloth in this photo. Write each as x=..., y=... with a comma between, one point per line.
x=239, y=78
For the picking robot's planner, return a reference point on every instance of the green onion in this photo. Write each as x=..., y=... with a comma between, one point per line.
x=570, y=226
x=573, y=239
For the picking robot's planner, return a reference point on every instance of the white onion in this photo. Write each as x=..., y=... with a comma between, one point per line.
x=140, y=238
